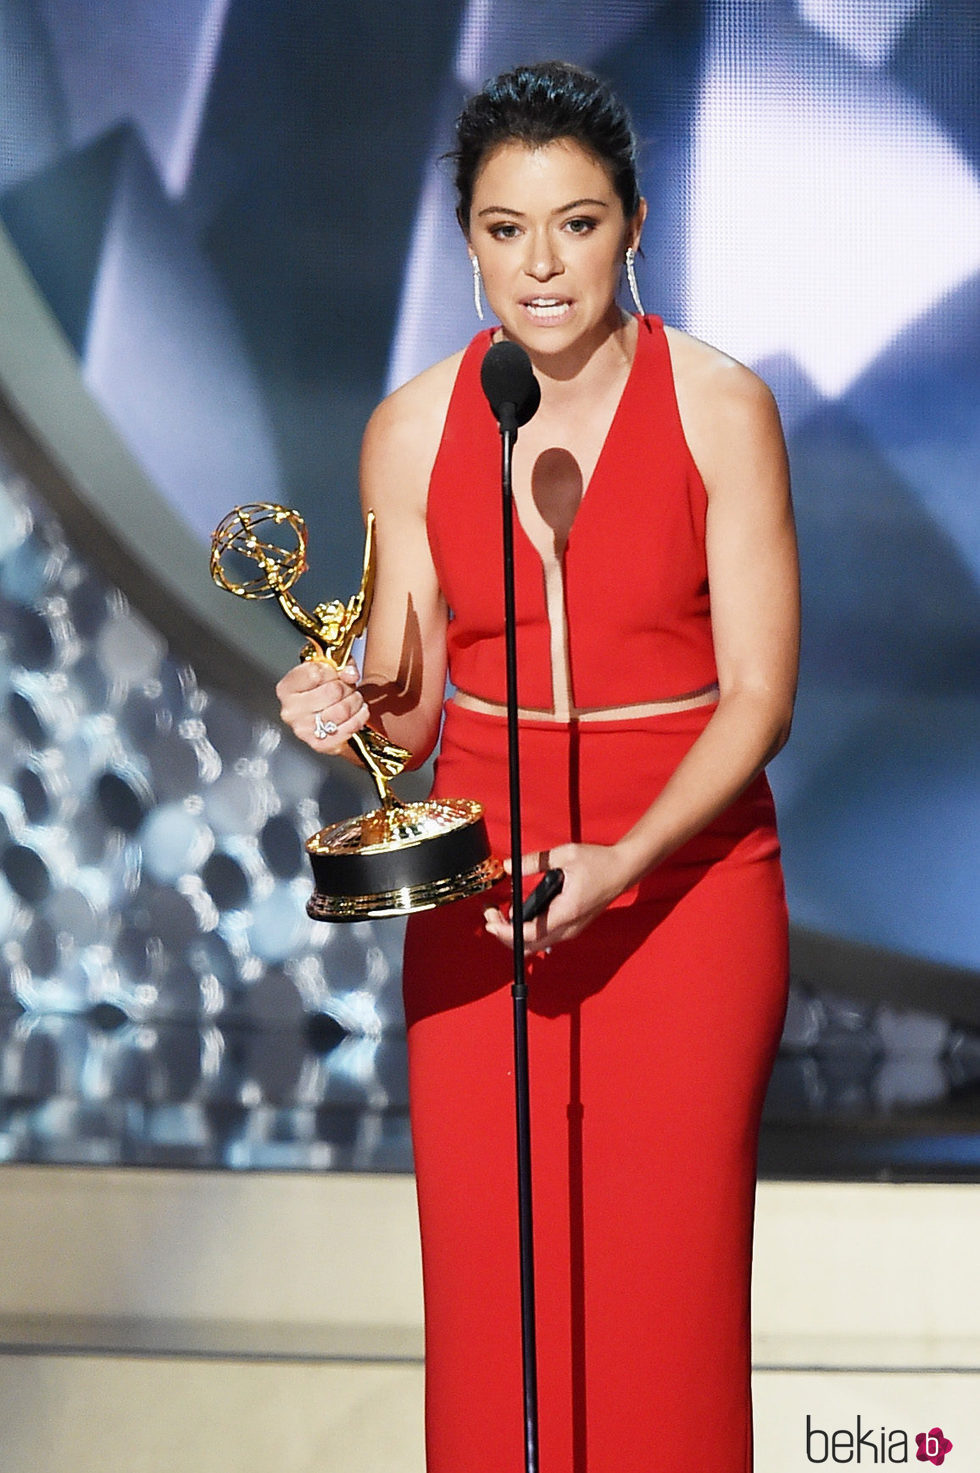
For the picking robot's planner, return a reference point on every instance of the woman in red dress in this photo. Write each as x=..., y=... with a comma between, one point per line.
x=657, y=613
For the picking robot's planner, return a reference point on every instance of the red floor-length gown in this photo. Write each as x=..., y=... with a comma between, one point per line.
x=651, y=1036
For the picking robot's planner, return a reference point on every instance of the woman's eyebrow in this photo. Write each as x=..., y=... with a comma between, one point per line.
x=575, y=204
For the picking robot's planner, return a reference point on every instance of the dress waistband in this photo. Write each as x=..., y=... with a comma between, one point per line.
x=707, y=696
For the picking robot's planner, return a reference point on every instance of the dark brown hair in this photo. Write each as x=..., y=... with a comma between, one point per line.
x=539, y=104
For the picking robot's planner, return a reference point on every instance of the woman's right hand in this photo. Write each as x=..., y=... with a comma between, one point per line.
x=317, y=688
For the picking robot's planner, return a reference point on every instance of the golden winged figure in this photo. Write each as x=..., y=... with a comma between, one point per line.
x=330, y=629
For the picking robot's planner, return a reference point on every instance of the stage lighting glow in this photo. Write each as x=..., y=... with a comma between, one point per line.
x=828, y=208
x=868, y=28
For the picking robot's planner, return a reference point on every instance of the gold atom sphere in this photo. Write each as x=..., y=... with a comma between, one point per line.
x=240, y=533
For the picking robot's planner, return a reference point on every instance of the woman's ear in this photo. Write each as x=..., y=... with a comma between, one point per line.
x=635, y=229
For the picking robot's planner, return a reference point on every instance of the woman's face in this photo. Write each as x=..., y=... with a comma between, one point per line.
x=548, y=229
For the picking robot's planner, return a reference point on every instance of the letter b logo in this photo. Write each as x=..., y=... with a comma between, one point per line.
x=813, y=1436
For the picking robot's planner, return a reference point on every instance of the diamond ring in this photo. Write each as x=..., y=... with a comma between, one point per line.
x=323, y=729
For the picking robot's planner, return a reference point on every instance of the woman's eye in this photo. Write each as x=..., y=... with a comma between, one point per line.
x=579, y=226
x=504, y=231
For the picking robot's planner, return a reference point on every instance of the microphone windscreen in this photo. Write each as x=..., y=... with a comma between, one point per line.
x=508, y=379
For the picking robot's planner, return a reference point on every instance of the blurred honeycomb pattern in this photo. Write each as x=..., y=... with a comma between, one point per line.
x=856, y=1060
x=164, y=999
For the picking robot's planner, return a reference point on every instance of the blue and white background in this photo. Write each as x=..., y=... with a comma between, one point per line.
x=238, y=217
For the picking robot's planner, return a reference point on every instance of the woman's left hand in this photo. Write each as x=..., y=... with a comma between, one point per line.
x=594, y=875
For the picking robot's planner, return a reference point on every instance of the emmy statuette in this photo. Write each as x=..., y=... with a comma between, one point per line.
x=400, y=857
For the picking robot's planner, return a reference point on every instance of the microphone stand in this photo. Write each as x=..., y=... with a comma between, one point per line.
x=508, y=434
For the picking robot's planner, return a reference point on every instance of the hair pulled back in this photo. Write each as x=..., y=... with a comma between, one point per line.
x=536, y=105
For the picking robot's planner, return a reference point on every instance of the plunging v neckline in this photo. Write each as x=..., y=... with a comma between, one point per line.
x=611, y=430
x=553, y=566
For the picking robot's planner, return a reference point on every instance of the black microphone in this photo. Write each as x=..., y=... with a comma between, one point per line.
x=509, y=384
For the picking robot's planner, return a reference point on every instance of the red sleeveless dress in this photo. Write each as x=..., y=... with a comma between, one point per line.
x=651, y=1036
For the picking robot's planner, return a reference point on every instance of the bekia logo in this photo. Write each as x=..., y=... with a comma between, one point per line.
x=933, y=1446
x=873, y=1445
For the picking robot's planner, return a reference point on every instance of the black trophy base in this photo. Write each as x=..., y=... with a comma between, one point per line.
x=393, y=861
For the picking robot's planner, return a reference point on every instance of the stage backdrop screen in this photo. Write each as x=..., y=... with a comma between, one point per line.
x=240, y=218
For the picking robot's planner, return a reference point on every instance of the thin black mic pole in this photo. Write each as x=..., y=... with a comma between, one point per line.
x=519, y=988
x=514, y=395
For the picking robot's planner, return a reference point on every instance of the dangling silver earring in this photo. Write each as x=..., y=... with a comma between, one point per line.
x=477, y=283
x=631, y=278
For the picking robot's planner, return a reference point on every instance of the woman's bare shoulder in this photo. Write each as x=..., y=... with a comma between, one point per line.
x=728, y=413
x=703, y=371
x=402, y=438
x=409, y=421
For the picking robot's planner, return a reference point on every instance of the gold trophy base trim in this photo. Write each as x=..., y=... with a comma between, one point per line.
x=405, y=901
x=400, y=859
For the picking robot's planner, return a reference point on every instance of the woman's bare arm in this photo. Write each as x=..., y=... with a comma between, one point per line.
x=732, y=426
x=405, y=652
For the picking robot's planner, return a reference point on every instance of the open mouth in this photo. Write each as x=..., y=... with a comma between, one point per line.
x=547, y=309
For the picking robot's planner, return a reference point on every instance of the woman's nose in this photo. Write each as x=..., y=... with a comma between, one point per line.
x=543, y=260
